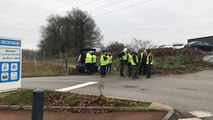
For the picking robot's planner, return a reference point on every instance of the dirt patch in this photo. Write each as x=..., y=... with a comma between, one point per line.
x=26, y=115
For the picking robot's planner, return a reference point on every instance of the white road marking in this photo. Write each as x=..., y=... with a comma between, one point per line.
x=76, y=86
x=201, y=114
x=190, y=119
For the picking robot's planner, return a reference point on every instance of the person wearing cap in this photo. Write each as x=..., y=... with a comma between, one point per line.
x=103, y=64
x=88, y=62
x=142, y=62
x=149, y=63
x=123, y=61
x=134, y=63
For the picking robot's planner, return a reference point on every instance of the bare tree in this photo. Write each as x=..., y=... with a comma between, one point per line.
x=115, y=48
x=140, y=43
x=70, y=33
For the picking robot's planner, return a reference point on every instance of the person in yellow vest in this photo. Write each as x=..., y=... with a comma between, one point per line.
x=142, y=62
x=129, y=65
x=103, y=64
x=94, y=62
x=149, y=63
x=88, y=62
x=110, y=60
x=123, y=61
x=134, y=63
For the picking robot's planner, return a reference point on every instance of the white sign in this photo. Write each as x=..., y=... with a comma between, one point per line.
x=10, y=64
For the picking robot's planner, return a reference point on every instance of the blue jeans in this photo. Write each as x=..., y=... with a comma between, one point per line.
x=103, y=70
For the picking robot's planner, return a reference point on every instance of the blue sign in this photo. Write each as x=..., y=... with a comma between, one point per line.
x=8, y=42
x=9, y=71
x=10, y=60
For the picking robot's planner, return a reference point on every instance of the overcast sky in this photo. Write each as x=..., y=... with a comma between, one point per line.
x=161, y=21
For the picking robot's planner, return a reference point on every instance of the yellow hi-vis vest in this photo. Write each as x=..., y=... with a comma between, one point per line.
x=132, y=61
x=124, y=57
x=102, y=61
x=88, y=58
x=129, y=58
x=94, y=58
x=109, y=59
x=148, y=60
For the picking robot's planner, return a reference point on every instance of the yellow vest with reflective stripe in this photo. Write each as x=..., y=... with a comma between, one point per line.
x=88, y=58
x=141, y=56
x=94, y=57
x=129, y=58
x=124, y=57
x=147, y=59
x=109, y=59
x=132, y=61
x=102, y=61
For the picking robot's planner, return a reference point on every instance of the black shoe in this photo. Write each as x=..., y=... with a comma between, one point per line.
x=148, y=76
x=137, y=77
x=122, y=76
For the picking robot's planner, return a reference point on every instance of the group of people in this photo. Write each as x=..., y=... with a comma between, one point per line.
x=137, y=64
x=106, y=60
x=90, y=62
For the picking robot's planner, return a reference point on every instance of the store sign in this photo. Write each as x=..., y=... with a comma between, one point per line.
x=10, y=64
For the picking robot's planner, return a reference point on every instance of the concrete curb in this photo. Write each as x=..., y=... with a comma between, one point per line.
x=156, y=106
x=135, y=109
x=162, y=107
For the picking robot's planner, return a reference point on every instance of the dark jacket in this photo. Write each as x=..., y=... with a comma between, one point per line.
x=143, y=61
x=121, y=56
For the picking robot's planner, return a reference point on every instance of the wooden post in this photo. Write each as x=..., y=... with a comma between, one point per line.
x=44, y=55
x=66, y=62
x=36, y=68
x=60, y=56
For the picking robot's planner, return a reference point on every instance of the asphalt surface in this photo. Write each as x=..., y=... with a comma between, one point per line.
x=189, y=92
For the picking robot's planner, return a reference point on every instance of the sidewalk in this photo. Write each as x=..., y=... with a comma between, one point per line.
x=26, y=115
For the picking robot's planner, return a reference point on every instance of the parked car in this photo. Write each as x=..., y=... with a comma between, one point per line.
x=165, y=46
x=178, y=45
x=162, y=46
x=80, y=61
x=199, y=45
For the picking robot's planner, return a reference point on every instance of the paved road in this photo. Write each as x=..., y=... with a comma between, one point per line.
x=188, y=92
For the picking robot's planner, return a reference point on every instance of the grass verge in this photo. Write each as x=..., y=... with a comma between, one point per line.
x=41, y=68
x=52, y=98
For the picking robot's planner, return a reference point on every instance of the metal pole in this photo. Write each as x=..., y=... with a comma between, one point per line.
x=38, y=102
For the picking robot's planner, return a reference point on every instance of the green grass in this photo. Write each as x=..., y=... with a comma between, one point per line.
x=44, y=69
x=23, y=97
x=177, y=64
x=173, y=64
x=116, y=64
x=51, y=98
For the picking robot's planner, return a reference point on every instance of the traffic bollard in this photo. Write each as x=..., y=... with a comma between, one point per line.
x=38, y=102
